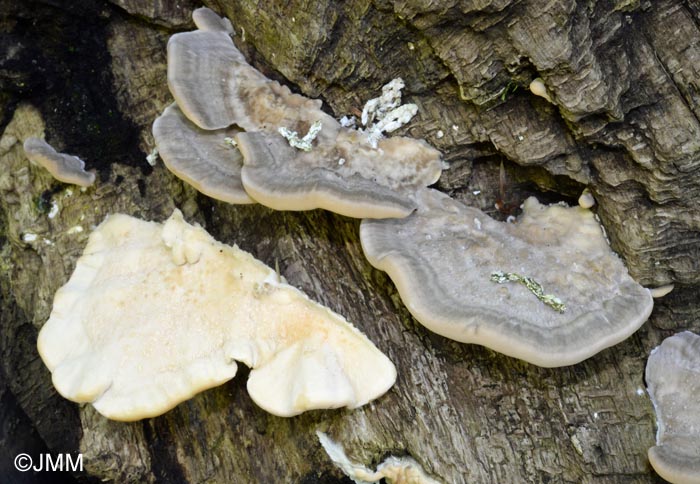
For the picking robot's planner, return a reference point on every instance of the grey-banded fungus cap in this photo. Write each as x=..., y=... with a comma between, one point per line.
x=673, y=381
x=207, y=19
x=204, y=159
x=155, y=313
x=215, y=87
x=65, y=168
x=365, y=183
x=200, y=71
x=446, y=257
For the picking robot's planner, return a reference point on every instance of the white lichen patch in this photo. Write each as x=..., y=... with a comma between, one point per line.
x=54, y=209
x=152, y=157
x=29, y=237
x=348, y=121
x=385, y=113
x=305, y=143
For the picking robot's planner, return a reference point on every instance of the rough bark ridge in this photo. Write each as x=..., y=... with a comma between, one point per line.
x=624, y=121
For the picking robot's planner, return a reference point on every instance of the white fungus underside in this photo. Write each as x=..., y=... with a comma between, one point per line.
x=673, y=380
x=441, y=258
x=155, y=313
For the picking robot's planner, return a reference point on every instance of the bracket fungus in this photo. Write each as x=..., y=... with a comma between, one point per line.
x=155, y=313
x=201, y=158
x=333, y=167
x=363, y=185
x=673, y=381
x=65, y=168
x=443, y=257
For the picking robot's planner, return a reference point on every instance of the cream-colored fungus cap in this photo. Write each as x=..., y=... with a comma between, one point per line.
x=65, y=168
x=206, y=19
x=673, y=381
x=443, y=259
x=341, y=174
x=204, y=159
x=155, y=313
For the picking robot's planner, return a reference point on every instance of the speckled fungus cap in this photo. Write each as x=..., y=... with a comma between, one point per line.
x=673, y=381
x=155, y=313
x=447, y=260
x=65, y=168
x=204, y=159
x=341, y=171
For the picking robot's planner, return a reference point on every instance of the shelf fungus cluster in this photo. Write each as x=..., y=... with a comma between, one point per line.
x=293, y=156
x=155, y=313
x=547, y=289
x=673, y=384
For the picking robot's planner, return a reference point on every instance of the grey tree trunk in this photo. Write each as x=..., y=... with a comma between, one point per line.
x=623, y=120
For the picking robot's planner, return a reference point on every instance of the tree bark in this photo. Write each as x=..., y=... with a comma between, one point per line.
x=623, y=121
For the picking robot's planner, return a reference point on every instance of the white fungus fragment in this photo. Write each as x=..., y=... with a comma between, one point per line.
x=54, y=209
x=538, y=88
x=586, y=200
x=396, y=470
x=476, y=192
x=661, y=291
x=152, y=157
x=29, y=237
x=348, y=121
x=439, y=134
x=341, y=161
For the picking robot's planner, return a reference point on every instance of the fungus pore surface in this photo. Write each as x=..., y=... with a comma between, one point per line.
x=155, y=313
x=673, y=381
x=442, y=259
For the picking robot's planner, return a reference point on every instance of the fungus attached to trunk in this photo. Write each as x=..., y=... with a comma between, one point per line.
x=204, y=159
x=672, y=377
x=564, y=295
x=332, y=167
x=366, y=184
x=155, y=313
x=65, y=168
